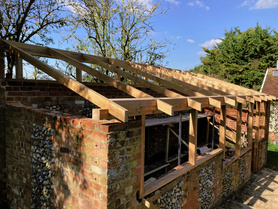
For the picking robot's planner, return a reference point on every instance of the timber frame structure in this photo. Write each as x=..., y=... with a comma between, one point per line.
x=181, y=91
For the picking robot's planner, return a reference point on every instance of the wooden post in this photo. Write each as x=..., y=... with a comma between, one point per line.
x=78, y=75
x=222, y=130
x=213, y=127
x=167, y=147
x=207, y=134
x=257, y=137
x=250, y=125
x=193, y=136
x=179, y=150
x=238, y=128
x=143, y=118
x=2, y=61
x=262, y=122
x=18, y=67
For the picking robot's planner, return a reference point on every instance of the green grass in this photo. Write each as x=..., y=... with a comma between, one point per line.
x=272, y=156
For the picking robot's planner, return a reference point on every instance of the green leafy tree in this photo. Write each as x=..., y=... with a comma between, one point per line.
x=242, y=57
x=29, y=21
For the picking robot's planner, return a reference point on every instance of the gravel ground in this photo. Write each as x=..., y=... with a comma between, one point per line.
x=261, y=192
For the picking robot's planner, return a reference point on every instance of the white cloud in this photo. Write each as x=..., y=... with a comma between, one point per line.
x=260, y=4
x=176, y=2
x=211, y=43
x=198, y=4
x=190, y=41
x=201, y=53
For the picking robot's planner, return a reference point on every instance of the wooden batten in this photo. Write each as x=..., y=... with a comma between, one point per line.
x=142, y=170
x=257, y=136
x=78, y=75
x=18, y=68
x=250, y=124
x=193, y=136
x=222, y=130
x=263, y=120
x=238, y=129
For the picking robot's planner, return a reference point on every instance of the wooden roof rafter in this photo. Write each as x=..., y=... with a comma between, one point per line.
x=213, y=84
x=115, y=109
x=207, y=92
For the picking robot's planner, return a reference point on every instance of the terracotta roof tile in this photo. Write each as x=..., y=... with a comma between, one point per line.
x=270, y=85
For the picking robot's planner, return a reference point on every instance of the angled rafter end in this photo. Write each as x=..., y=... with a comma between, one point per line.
x=165, y=107
x=194, y=104
x=230, y=101
x=214, y=102
x=250, y=99
x=240, y=100
x=101, y=114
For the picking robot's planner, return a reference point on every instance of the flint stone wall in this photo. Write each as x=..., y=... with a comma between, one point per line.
x=273, y=121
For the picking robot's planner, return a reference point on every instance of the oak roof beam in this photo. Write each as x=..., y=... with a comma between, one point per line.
x=159, y=89
x=173, y=78
x=166, y=83
x=178, y=76
x=163, y=106
x=94, y=97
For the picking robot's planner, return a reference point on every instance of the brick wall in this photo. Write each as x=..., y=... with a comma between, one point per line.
x=68, y=161
x=77, y=174
x=124, y=163
x=204, y=186
x=86, y=157
x=230, y=120
x=42, y=93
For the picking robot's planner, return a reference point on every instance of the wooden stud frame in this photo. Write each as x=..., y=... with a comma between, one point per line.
x=143, y=134
x=222, y=130
x=263, y=120
x=18, y=68
x=78, y=75
x=257, y=137
x=238, y=129
x=193, y=136
x=250, y=124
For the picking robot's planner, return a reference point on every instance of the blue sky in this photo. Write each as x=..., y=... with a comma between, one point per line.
x=191, y=24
